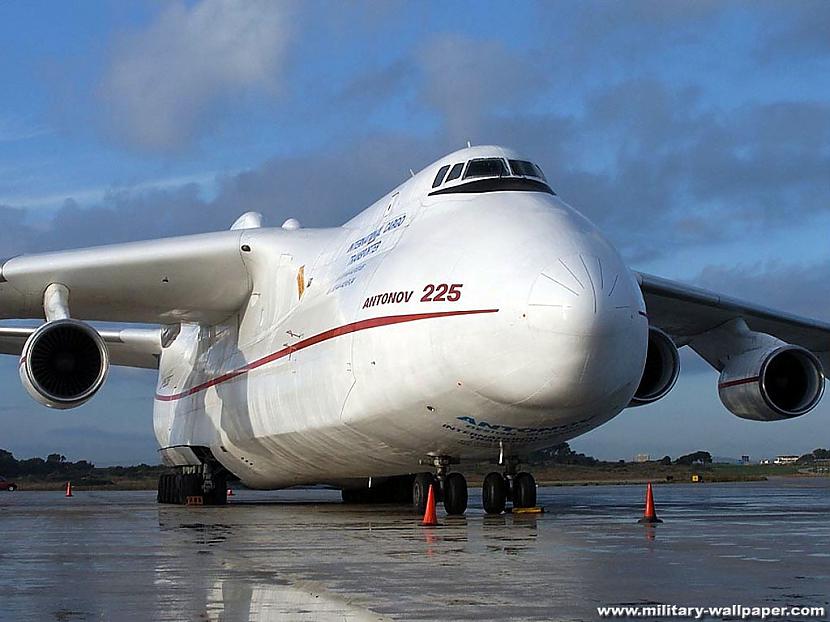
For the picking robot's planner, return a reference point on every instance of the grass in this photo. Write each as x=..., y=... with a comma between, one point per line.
x=547, y=475
x=638, y=473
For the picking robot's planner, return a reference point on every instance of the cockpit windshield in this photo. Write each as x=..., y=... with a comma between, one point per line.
x=490, y=175
x=486, y=167
x=524, y=168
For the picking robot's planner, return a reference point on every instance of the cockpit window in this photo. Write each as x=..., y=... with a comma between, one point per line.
x=523, y=168
x=440, y=176
x=455, y=172
x=487, y=167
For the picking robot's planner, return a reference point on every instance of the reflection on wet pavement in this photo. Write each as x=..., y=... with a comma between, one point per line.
x=300, y=555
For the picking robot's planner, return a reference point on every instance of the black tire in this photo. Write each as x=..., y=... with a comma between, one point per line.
x=396, y=490
x=193, y=486
x=12, y=488
x=494, y=493
x=524, y=491
x=420, y=491
x=174, y=488
x=354, y=496
x=167, y=488
x=164, y=488
x=219, y=494
x=400, y=489
x=455, y=494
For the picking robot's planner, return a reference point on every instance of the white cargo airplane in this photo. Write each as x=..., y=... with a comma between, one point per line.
x=467, y=315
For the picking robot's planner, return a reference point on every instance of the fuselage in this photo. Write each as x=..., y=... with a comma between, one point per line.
x=469, y=318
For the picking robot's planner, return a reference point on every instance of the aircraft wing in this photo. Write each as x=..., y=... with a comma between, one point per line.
x=684, y=311
x=195, y=278
x=132, y=347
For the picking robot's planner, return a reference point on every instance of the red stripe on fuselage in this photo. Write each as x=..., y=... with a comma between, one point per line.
x=734, y=383
x=314, y=340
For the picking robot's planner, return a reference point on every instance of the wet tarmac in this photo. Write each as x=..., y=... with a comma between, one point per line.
x=301, y=555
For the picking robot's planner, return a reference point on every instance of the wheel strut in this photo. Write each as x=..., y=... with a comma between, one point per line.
x=509, y=485
x=451, y=488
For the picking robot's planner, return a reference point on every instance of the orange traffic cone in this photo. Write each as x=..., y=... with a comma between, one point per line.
x=230, y=492
x=68, y=489
x=430, y=517
x=649, y=515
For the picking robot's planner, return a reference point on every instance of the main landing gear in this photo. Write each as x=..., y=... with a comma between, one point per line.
x=498, y=488
x=194, y=485
x=395, y=489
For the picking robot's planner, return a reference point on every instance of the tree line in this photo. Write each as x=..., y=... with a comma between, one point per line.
x=57, y=467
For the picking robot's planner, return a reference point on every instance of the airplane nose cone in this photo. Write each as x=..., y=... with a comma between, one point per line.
x=587, y=313
x=583, y=294
x=581, y=348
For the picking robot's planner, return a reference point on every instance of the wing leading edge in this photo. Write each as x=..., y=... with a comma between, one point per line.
x=194, y=278
x=684, y=312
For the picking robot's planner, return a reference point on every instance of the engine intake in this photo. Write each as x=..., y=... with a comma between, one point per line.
x=64, y=363
x=661, y=370
x=773, y=384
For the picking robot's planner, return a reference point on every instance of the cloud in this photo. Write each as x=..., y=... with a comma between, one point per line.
x=658, y=170
x=327, y=187
x=317, y=188
x=167, y=80
x=799, y=288
x=15, y=233
x=798, y=33
x=651, y=165
x=373, y=88
x=467, y=79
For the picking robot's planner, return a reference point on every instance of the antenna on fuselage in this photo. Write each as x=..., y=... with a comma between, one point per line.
x=411, y=172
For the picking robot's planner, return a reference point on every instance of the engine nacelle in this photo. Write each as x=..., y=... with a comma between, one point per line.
x=64, y=363
x=772, y=384
x=661, y=370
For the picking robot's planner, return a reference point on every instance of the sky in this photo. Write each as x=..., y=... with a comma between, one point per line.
x=695, y=134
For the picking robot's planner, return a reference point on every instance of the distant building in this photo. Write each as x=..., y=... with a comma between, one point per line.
x=641, y=458
x=744, y=459
x=766, y=461
x=786, y=460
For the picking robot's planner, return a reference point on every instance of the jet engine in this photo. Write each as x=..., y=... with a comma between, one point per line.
x=64, y=363
x=661, y=370
x=772, y=384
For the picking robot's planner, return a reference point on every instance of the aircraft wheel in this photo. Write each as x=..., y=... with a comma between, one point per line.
x=353, y=496
x=163, y=485
x=524, y=491
x=420, y=491
x=494, y=493
x=218, y=494
x=455, y=494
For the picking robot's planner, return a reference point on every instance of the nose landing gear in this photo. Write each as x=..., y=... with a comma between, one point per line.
x=498, y=488
x=451, y=488
x=455, y=494
x=496, y=491
x=524, y=490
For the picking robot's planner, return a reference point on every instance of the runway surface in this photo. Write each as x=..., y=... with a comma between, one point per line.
x=301, y=555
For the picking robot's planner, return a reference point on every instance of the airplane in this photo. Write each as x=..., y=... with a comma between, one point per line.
x=468, y=315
